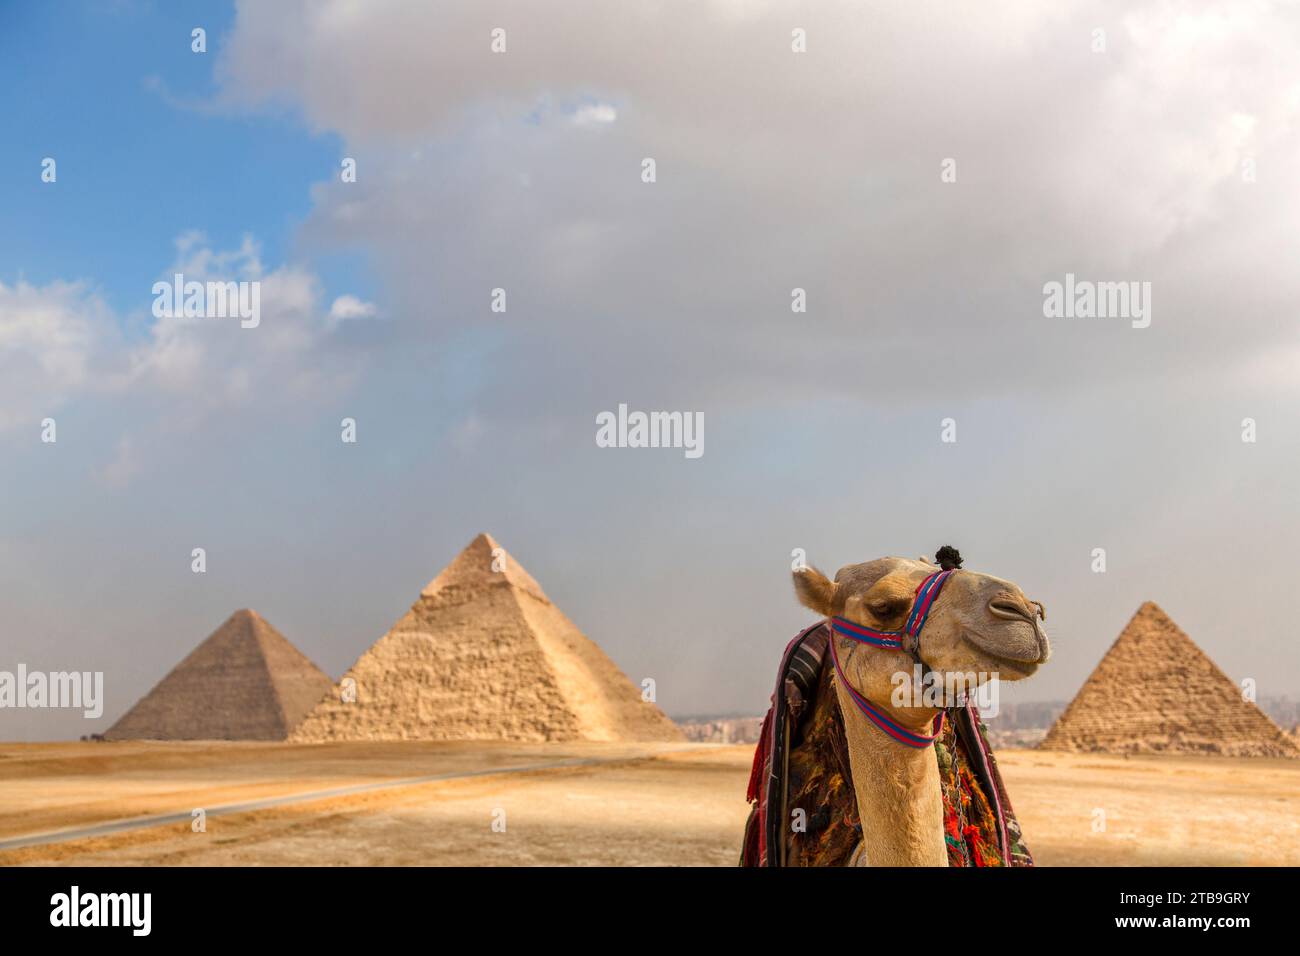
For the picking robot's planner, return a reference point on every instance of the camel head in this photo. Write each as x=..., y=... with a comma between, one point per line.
x=978, y=624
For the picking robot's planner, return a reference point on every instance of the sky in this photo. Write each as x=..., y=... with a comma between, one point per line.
x=921, y=171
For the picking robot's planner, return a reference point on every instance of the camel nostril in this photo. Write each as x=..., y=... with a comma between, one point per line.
x=1010, y=609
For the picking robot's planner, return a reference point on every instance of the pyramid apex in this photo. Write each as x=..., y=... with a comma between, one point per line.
x=484, y=563
x=1151, y=614
x=247, y=621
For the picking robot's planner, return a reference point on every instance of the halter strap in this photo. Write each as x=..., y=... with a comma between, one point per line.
x=867, y=635
x=925, y=595
x=879, y=717
x=893, y=640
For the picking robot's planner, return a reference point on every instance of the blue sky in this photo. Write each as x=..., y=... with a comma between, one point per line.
x=145, y=152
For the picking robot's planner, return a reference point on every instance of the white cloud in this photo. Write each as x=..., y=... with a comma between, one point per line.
x=50, y=336
x=350, y=307
x=61, y=343
x=819, y=170
x=595, y=114
x=208, y=363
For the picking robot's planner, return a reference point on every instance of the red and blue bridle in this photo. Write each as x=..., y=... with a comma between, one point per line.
x=893, y=640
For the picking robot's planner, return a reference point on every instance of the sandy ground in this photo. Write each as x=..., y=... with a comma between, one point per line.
x=1157, y=811
x=644, y=805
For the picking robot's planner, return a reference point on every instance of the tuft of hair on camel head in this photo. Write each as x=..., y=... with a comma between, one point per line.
x=948, y=558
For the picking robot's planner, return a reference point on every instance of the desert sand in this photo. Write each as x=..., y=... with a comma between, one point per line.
x=636, y=804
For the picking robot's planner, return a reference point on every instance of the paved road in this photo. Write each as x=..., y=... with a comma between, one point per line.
x=185, y=816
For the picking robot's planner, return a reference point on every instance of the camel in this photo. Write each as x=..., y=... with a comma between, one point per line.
x=977, y=625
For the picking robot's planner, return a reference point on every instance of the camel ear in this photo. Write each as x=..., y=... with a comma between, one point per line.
x=815, y=591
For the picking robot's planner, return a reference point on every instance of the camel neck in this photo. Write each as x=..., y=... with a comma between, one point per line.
x=900, y=800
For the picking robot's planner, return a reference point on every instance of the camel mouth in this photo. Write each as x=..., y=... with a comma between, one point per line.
x=1007, y=668
x=1014, y=670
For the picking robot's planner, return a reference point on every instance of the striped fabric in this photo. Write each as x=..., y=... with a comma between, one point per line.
x=925, y=595
x=867, y=635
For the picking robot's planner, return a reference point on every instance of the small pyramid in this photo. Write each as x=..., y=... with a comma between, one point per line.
x=484, y=654
x=244, y=682
x=1155, y=691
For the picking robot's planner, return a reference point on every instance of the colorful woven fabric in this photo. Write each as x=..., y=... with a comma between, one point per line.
x=822, y=825
x=970, y=824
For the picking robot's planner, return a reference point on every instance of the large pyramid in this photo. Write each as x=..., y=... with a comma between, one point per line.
x=1156, y=691
x=245, y=682
x=483, y=654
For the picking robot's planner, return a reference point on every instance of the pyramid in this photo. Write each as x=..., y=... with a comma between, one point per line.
x=244, y=682
x=484, y=654
x=1156, y=691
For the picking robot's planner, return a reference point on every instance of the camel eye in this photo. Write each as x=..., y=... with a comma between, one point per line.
x=884, y=608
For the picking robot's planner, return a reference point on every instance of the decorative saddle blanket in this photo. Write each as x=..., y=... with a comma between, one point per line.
x=802, y=763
